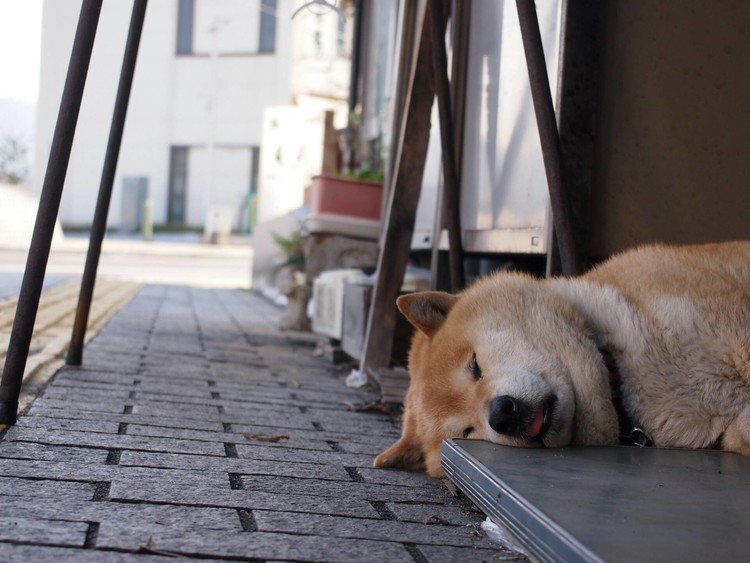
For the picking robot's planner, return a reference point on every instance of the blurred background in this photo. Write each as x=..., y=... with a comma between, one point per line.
x=224, y=131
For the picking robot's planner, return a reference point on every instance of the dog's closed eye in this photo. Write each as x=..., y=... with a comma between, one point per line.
x=476, y=371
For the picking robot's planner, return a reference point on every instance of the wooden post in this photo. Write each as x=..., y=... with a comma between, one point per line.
x=577, y=86
x=331, y=152
x=562, y=211
x=406, y=185
x=451, y=184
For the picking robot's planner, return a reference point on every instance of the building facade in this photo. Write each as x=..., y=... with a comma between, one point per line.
x=206, y=72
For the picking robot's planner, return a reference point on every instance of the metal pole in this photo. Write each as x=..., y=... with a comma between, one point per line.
x=99, y=225
x=451, y=200
x=562, y=213
x=49, y=203
x=359, y=21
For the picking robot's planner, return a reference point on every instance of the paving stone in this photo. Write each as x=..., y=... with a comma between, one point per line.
x=147, y=420
x=48, y=489
x=335, y=489
x=28, y=553
x=448, y=554
x=388, y=530
x=44, y=452
x=371, y=446
x=395, y=477
x=42, y=531
x=43, y=403
x=113, y=441
x=193, y=389
x=374, y=441
x=126, y=517
x=83, y=377
x=302, y=456
x=264, y=545
x=125, y=476
x=239, y=466
x=224, y=437
x=414, y=512
x=205, y=496
x=330, y=424
x=52, y=424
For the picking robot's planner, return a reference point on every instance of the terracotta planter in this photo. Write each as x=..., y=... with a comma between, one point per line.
x=345, y=196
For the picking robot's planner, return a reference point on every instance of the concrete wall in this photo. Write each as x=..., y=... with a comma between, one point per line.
x=672, y=141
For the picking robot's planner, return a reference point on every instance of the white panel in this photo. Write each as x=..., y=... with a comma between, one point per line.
x=226, y=26
x=504, y=185
x=433, y=168
x=292, y=153
x=218, y=178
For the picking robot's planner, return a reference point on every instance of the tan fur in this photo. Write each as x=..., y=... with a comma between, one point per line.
x=676, y=319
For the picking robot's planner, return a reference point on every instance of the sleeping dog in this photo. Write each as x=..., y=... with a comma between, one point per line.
x=653, y=347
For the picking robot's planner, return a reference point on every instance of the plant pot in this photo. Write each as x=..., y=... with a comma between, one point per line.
x=346, y=196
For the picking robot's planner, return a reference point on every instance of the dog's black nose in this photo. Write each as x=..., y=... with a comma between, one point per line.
x=505, y=415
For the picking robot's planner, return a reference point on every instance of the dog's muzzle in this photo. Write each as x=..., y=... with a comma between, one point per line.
x=515, y=418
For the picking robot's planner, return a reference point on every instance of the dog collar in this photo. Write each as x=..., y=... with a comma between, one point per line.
x=631, y=433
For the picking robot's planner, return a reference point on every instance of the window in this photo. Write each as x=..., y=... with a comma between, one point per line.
x=267, y=42
x=176, y=204
x=226, y=27
x=185, y=11
x=341, y=36
x=254, y=167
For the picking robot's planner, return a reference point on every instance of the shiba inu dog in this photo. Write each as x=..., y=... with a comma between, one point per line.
x=654, y=342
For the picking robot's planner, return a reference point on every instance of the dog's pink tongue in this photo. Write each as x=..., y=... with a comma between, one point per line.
x=536, y=424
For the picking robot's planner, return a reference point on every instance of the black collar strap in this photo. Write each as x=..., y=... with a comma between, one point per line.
x=631, y=434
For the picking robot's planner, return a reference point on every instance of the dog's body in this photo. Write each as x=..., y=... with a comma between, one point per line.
x=521, y=361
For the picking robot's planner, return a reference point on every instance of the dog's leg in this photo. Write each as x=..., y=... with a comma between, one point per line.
x=737, y=435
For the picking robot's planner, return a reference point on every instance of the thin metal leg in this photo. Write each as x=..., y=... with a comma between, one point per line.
x=548, y=134
x=99, y=225
x=49, y=203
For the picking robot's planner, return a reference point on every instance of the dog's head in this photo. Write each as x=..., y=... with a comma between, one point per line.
x=507, y=361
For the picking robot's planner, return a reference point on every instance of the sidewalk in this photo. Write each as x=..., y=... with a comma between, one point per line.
x=144, y=451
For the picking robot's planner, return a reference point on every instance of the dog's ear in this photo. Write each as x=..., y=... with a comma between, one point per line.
x=404, y=454
x=426, y=310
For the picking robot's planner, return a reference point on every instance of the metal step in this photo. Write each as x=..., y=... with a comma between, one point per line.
x=610, y=503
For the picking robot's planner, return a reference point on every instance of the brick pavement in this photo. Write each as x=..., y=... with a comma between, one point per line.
x=142, y=454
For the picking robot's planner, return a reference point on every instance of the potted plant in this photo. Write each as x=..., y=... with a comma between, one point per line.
x=354, y=195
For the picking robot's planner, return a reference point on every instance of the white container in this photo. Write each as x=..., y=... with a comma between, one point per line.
x=328, y=299
x=218, y=224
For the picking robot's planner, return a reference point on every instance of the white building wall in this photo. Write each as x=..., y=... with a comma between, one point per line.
x=185, y=100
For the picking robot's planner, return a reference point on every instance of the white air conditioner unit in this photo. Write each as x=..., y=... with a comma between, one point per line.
x=328, y=299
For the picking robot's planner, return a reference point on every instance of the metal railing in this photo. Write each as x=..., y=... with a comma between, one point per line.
x=49, y=201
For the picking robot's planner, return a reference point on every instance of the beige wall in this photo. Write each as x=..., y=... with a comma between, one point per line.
x=673, y=135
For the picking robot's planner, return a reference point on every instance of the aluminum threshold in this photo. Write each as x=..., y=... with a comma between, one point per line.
x=612, y=503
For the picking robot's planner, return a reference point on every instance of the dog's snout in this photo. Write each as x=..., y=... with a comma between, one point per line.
x=505, y=415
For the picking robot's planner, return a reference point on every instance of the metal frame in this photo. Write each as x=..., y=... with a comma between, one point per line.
x=49, y=202
x=99, y=224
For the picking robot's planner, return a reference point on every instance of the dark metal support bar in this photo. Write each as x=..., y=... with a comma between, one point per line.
x=49, y=204
x=562, y=213
x=99, y=225
x=354, y=77
x=451, y=199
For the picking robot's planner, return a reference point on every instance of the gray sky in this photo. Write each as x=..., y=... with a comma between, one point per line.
x=20, y=43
